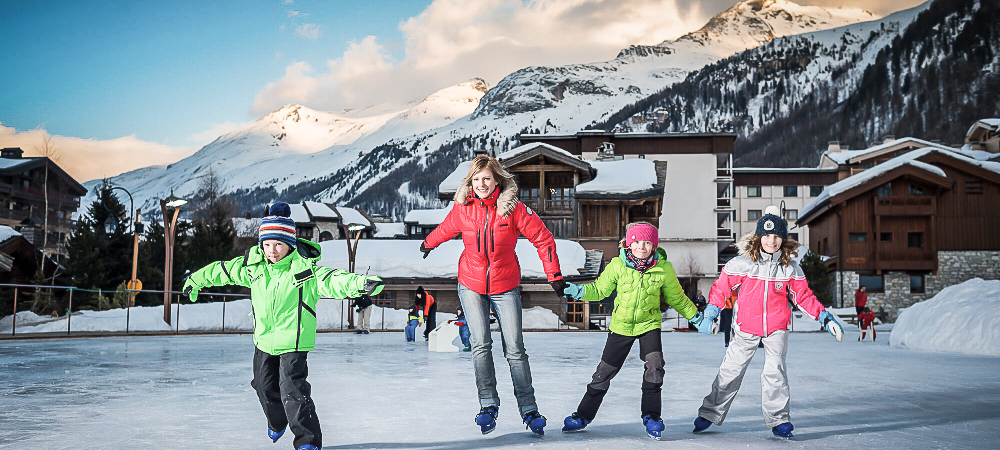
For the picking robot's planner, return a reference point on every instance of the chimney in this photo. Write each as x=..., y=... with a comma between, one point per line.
x=833, y=147
x=11, y=153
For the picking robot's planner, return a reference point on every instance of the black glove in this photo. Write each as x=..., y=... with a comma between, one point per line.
x=559, y=286
x=373, y=285
x=426, y=250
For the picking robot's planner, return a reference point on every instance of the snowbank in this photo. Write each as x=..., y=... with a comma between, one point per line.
x=963, y=318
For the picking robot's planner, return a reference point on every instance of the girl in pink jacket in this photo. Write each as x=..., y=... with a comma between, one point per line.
x=767, y=278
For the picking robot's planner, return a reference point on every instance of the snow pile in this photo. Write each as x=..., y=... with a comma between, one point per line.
x=620, y=177
x=962, y=318
x=540, y=318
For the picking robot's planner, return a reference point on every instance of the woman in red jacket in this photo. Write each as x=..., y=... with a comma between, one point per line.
x=490, y=221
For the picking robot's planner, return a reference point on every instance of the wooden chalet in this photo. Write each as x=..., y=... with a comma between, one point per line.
x=20, y=260
x=909, y=227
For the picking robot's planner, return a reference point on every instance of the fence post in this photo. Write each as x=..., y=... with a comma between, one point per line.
x=223, y=314
x=13, y=319
x=177, y=316
x=341, y=316
x=383, y=317
x=69, y=312
x=128, y=312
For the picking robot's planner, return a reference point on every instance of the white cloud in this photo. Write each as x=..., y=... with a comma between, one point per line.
x=88, y=159
x=308, y=30
x=455, y=40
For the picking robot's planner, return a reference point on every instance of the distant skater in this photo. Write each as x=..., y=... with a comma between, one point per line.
x=866, y=321
x=412, y=322
x=285, y=283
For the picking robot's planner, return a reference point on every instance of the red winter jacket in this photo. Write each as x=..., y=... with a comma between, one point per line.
x=490, y=228
x=860, y=298
x=866, y=318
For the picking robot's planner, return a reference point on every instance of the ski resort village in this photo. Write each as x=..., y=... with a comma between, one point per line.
x=316, y=225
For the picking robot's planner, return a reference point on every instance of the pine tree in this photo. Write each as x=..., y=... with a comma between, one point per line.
x=98, y=259
x=818, y=278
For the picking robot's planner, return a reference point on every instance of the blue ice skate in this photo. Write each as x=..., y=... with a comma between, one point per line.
x=275, y=435
x=487, y=418
x=654, y=425
x=308, y=447
x=535, y=422
x=574, y=423
x=784, y=430
x=701, y=424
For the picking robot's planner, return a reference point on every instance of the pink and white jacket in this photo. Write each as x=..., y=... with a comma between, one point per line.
x=764, y=288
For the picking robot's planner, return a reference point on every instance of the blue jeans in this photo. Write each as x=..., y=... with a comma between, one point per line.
x=411, y=330
x=463, y=332
x=477, y=315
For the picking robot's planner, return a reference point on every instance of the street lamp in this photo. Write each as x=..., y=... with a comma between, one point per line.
x=174, y=204
x=352, y=251
x=110, y=225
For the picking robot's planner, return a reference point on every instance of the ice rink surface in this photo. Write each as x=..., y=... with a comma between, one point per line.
x=376, y=391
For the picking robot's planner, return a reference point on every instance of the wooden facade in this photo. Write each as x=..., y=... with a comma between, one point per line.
x=900, y=219
x=637, y=143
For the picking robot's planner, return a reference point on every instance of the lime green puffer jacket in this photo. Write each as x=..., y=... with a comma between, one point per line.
x=637, y=306
x=283, y=294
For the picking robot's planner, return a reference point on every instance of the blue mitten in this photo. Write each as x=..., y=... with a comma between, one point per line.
x=829, y=321
x=574, y=291
x=696, y=319
x=710, y=313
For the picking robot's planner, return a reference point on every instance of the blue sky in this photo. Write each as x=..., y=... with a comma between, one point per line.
x=137, y=83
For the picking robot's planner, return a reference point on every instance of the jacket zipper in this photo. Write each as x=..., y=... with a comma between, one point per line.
x=298, y=323
x=486, y=251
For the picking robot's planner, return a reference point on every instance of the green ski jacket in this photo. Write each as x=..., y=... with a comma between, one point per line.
x=637, y=306
x=283, y=294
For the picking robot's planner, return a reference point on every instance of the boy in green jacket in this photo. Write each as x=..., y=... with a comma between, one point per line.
x=285, y=284
x=642, y=276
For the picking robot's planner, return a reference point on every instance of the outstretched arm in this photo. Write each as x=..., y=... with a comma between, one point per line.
x=219, y=273
x=337, y=283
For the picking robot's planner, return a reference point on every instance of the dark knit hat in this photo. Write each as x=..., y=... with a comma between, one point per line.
x=278, y=225
x=772, y=223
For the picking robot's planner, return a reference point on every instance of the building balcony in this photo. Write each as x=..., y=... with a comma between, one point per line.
x=905, y=206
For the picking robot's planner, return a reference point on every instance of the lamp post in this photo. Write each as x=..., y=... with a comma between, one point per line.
x=174, y=204
x=133, y=283
x=352, y=251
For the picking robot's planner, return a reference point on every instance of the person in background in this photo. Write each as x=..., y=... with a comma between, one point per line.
x=412, y=322
x=767, y=276
x=866, y=321
x=700, y=303
x=490, y=219
x=428, y=308
x=363, y=305
x=463, y=328
x=285, y=285
x=726, y=318
x=860, y=299
x=642, y=276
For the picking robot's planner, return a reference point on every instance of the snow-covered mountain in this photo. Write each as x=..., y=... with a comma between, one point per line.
x=392, y=161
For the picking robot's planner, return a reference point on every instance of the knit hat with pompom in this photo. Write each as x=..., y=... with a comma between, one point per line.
x=278, y=225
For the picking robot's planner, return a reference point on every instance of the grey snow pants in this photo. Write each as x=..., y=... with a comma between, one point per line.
x=773, y=380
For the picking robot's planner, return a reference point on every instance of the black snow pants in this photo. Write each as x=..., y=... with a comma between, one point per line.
x=280, y=382
x=726, y=324
x=615, y=351
x=430, y=321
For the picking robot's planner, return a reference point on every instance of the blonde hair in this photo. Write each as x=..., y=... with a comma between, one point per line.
x=789, y=249
x=504, y=178
x=621, y=243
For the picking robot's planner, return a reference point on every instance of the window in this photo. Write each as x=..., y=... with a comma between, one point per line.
x=857, y=237
x=791, y=214
x=791, y=191
x=915, y=240
x=305, y=232
x=753, y=215
x=415, y=230
x=973, y=187
x=916, y=190
x=793, y=236
x=916, y=284
x=885, y=237
x=884, y=190
x=814, y=191
x=383, y=299
x=872, y=283
x=753, y=191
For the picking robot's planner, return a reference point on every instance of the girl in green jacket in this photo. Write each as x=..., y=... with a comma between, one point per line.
x=285, y=284
x=642, y=276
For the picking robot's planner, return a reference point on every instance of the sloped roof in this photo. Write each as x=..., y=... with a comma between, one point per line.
x=516, y=156
x=427, y=216
x=317, y=209
x=350, y=215
x=620, y=177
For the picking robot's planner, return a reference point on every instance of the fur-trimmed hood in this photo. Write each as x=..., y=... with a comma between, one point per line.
x=506, y=201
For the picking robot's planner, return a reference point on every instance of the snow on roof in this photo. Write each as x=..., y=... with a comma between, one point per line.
x=7, y=233
x=7, y=163
x=351, y=215
x=620, y=177
x=454, y=179
x=403, y=259
x=427, y=216
x=843, y=156
x=246, y=227
x=989, y=123
x=389, y=230
x=318, y=209
x=952, y=321
x=863, y=177
x=978, y=155
x=299, y=213
x=528, y=147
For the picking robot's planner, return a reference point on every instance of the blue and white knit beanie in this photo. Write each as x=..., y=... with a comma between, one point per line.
x=772, y=223
x=278, y=225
